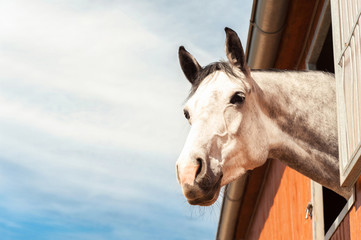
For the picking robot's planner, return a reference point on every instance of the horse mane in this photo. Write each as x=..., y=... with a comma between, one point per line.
x=228, y=69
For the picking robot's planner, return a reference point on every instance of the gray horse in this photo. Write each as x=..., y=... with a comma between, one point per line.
x=240, y=118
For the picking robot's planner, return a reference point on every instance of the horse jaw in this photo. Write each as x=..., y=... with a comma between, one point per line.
x=232, y=175
x=244, y=150
x=238, y=158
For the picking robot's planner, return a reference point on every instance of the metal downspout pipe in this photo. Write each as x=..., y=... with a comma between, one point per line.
x=232, y=200
x=265, y=32
x=268, y=19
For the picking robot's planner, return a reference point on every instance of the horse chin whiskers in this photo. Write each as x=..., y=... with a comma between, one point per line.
x=205, y=201
x=205, y=212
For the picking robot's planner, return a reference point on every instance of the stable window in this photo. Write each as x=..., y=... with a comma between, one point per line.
x=329, y=208
x=347, y=50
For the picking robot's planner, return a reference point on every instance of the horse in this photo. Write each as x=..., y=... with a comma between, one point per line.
x=240, y=118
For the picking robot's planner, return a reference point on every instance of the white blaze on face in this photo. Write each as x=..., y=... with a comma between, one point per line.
x=187, y=164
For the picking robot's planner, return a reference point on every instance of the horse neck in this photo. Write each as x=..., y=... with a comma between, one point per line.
x=300, y=110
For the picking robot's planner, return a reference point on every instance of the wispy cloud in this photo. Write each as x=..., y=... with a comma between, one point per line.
x=90, y=116
x=98, y=57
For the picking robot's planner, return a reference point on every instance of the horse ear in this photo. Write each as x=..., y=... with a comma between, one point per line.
x=234, y=51
x=189, y=64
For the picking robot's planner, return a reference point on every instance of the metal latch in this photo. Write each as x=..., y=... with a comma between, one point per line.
x=309, y=210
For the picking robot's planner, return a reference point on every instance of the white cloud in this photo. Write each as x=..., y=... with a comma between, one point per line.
x=90, y=106
x=74, y=84
x=93, y=55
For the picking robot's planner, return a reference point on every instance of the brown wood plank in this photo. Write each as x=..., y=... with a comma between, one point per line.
x=281, y=209
x=295, y=33
x=248, y=205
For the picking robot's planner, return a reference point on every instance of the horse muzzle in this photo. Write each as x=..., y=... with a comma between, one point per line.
x=200, y=185
x=197, y=194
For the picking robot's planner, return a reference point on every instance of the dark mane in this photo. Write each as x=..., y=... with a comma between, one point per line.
x=227, y=68
x=208, y=70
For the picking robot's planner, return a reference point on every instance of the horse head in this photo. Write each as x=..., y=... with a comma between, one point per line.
x=227, y=136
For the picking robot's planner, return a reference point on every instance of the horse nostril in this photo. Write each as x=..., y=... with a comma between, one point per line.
x=199, y=161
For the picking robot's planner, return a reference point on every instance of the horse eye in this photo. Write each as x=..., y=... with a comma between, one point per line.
x=237, y=98
x=186, y=114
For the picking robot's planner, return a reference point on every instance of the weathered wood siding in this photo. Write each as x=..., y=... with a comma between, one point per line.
x=347, y=48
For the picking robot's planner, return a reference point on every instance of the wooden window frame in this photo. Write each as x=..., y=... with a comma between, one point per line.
x=318, y=40
x=318, y=231
x=350, y=156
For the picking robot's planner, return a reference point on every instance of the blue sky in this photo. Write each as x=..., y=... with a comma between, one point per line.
x=91, y=120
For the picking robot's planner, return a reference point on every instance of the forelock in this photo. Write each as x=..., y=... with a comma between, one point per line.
x=211, y=68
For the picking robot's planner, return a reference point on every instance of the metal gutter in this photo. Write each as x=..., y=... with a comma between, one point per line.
x=267, y=22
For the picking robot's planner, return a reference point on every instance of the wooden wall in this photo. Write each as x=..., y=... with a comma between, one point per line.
x=281, y=208
x=278, y=212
